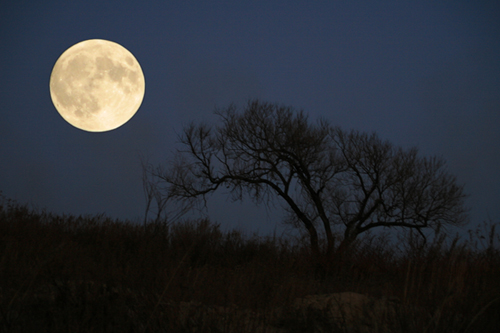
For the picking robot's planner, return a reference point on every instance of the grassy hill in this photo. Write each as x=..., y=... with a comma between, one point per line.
x=94, y=274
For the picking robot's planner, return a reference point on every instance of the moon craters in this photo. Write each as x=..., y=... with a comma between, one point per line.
x=97, y=85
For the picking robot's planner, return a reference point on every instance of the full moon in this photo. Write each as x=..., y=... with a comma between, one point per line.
x=97, y=85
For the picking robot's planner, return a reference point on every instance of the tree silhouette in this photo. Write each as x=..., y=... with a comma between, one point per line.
x=325, y=177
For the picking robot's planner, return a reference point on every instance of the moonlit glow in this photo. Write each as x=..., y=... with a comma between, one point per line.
x=97, y=85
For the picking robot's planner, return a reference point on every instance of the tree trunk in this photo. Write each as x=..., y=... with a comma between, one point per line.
x=313, y=236
x=342, y=252
x=330, y=244
x=344, y=247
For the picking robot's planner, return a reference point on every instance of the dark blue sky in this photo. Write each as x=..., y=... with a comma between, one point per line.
x=424, y=73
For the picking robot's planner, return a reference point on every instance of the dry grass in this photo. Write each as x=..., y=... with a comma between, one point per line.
x=93, y=274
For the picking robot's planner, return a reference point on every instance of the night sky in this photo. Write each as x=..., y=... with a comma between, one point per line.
x=419, y=73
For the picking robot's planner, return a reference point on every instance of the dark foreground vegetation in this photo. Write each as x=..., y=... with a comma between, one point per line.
x=93, y=274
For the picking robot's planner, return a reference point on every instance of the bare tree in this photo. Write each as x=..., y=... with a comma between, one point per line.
x=325, y=177
x=153, y=191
